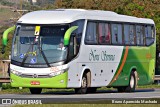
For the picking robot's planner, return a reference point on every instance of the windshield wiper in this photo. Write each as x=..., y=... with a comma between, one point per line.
x=25, y=57
x=45, y=58
x=40, y=50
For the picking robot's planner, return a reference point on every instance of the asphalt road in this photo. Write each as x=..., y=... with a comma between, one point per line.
x=139, y=93
x=51, y=97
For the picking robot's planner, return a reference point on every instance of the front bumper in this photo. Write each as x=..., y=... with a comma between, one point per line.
x=59, y=81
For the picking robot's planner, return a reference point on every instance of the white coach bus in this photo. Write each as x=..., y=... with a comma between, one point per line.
x=82, y=49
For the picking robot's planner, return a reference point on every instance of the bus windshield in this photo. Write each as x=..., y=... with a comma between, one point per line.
x=46, y=48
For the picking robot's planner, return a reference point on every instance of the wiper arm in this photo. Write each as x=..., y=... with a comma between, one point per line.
x=44, y=56
x=25, y=57
x=41, y=51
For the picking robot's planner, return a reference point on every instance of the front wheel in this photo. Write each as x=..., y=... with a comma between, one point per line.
x=35, y=90
x=84, y=84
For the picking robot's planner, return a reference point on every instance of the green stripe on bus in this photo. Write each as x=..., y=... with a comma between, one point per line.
x=143, y=60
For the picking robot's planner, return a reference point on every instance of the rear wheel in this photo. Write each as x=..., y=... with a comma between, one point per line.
x=35, y=90
x=84, y=84
x=132, y=84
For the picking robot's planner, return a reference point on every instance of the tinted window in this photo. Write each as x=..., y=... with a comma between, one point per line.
x=126, y=35
x=142, y=35
x=149, y=35
x=91, y=33
x=116, y=34
x=53, y=30
x=104, y=33
x=139, y=35
x=131, y=34
x=78, y=32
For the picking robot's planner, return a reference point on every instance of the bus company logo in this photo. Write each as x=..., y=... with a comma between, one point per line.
x=35, y=76
x=94, y=55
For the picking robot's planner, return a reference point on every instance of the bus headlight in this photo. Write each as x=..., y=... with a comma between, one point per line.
x=52, y=74
x=16, y=72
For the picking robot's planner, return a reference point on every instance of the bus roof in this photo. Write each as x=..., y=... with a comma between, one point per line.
x=61, y=16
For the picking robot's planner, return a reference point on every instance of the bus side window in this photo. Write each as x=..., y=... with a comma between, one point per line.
x=101, y=32
x=139, y=35
x=91, y=33
x=142, y=34
x=126, y=34
x=116, y=34
x=107, y=33
x=149, y=34
x=104, y=33
x=131, y=35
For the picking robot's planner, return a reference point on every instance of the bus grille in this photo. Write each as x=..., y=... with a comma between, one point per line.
x=34, y=76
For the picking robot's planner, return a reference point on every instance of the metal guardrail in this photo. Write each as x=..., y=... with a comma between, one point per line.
x=5, y=80
x=4, y=77
x=157, y=77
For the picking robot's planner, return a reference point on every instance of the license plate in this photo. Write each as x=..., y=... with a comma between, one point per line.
x=35, y=83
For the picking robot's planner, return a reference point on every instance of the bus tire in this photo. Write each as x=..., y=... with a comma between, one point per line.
x=84, y=85
x=121, y=89
x=35, y=90
x=132, y=83
x=91, y=89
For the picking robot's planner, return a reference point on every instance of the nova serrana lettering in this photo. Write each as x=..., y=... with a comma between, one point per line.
x=95, y=55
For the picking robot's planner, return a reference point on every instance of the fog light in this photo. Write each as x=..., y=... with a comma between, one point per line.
x=62, y=81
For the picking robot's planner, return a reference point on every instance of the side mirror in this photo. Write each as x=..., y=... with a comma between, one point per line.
x=5, y=36
x=68, y=34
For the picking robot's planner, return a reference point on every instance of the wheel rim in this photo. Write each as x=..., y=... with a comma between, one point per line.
x=132, y=82
x=84, y=82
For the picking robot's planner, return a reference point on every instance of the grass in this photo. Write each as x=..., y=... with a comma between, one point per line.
x=150, y=86
x=7, y=89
